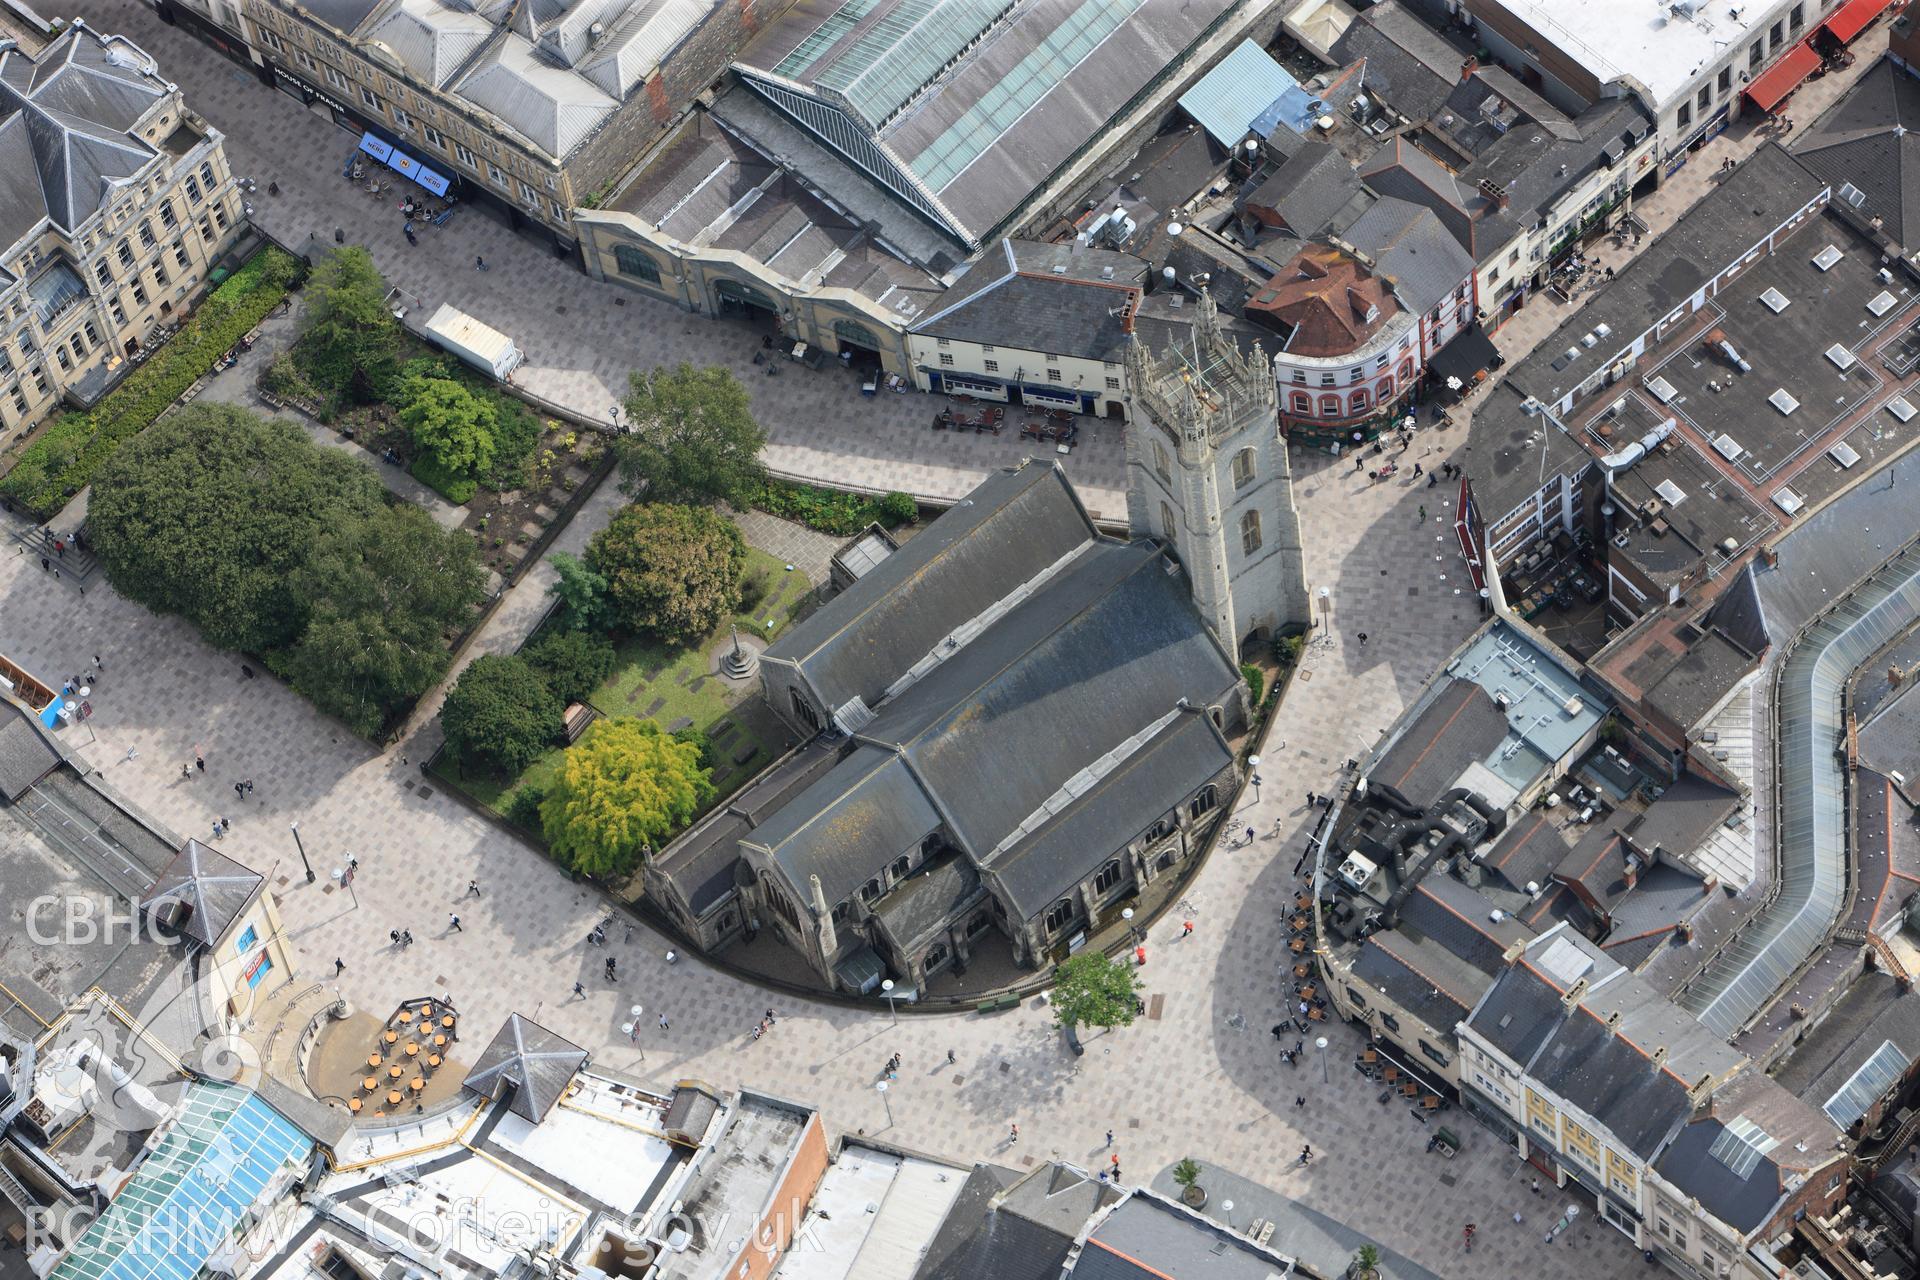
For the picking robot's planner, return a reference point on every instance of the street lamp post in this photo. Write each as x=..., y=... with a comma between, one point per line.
x=1326, y=609
x=1126, y=914
x=886, y=988
x=346, y=882
x=295, y=828
x=1321, y=1045
x=632, y=1028
x=1227, y=1209
x=1253, y=766
x=881, y=1088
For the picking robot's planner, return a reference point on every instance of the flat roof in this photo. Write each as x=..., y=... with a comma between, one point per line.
x=1656, y=43
x=733, y=1182
x=1548, y=711
x=873, y=1216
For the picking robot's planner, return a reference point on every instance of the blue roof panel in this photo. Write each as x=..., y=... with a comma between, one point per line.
x=1228, y=99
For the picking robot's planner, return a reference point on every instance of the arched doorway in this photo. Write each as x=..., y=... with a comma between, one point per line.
x=744, y=302
x=859, y=347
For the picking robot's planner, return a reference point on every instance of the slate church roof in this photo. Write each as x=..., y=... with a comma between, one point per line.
x=1031, y=688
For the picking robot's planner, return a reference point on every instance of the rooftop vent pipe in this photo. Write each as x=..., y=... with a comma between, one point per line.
x=1726, y=349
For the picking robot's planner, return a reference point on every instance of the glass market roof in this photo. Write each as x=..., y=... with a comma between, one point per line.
x=219, y=1155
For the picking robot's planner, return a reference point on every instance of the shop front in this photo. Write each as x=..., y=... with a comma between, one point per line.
x=963, y=384
x=312, y=95
x=380, y=149
x=207, y=30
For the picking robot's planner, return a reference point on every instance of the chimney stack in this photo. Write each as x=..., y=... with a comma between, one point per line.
x=1467, y=68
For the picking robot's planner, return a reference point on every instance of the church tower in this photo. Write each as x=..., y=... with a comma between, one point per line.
x=1207, y=474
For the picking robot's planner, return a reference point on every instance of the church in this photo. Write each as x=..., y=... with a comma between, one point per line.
x=1016, y=721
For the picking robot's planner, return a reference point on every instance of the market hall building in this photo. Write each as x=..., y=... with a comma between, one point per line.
x=867, y=152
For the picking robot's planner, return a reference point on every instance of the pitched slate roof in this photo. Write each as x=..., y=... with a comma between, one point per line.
x=1460, y=727
x=1529, y=851
x=1062, y=299
x=1408, y=63
x=1014, y=525
x=927, y=899
x=212, y=887
x=1871, y=139
x=1459, y=919
x=1402, y=170
x=1409, y=246
x=550, y=106
x=1178, y=760
x=844, y=828
x=1107, y=648
x=535, y=1063
x=25, y=754
x=66, y=128
x=1315, y=191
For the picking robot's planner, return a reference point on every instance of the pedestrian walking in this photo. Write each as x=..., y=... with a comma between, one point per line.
x=240, y=789
x=1299, y=1102
x=1013, y=1133
x=186, y=771
x=1116, y=1160
x=394, y=936
x=1432, y=480
x=406, y=937
x=412, y=239
x=1536, y=1186
x=216, y=828
x=950, y=1058
x=479, y=263
x=473, y=888
x=99, y=664
x=1309, y=799
x=1306, y=1154
x=45, y=564
x=248, y=785
x=579, y=991
x=1186, y=929
x=1423, y=513
x=663, y=1022
x=1109, y=1137
x=771, y=1020
x=1417, y=470
x=338, y=965
x=453, y=923
x=1363, y=638
x=246, y=672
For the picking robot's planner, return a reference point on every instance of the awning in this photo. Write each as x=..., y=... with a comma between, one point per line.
x=1469, y=353
x=979, y=387
x=1852, y=18
x=1047, y=395
x=375, y=147
x=1783, y=77
x=403, y=164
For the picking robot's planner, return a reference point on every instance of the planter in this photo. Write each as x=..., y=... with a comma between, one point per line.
x=1194, y=1197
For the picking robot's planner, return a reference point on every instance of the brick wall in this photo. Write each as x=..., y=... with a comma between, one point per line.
x=787, y=1207
x=695, y=64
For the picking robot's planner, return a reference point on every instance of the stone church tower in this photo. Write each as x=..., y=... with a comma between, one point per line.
x=1207, y=473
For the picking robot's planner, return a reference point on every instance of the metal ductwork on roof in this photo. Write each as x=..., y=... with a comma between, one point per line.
x=1618, y=462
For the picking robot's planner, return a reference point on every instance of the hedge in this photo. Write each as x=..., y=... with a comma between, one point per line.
x=833, y=510
x=457, y=489
x=65, y=456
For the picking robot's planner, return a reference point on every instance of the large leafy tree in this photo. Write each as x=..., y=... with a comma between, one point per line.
x=625, y=787
x=672, y=572
x=693, y=437
x=582, y=593
x=500, y=714
x=450, y=424
x=351, y=340
x=1091, y=990
x=209, y=514
x=572, y=663
x=387, y=594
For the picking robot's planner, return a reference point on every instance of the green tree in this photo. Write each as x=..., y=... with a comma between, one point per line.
x=1090, y=990
x=500, y=714
x=1186, y=1173
x=450, y=424
x=211, y=512
x=388, y=592
x=693, y=438
x=572, y=663
x=351, y=340
x=582, y=593
x=672, y=572
x=625, y=787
